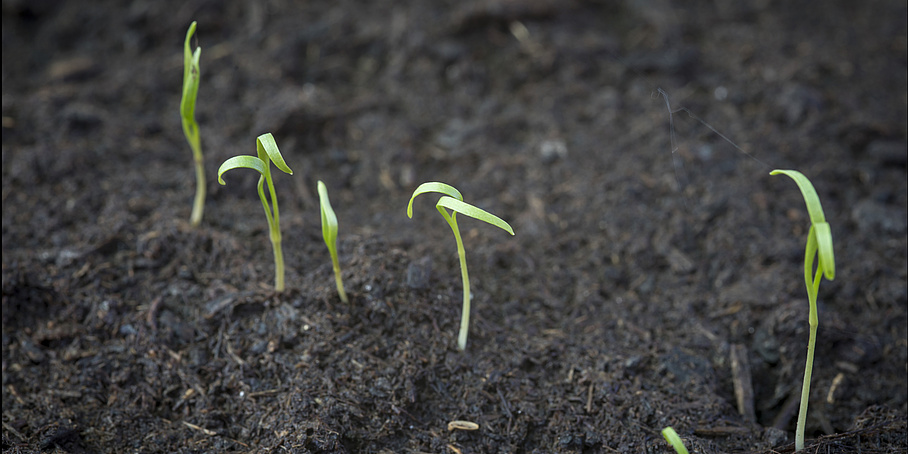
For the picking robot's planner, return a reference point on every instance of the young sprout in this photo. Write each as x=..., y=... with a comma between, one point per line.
x=268, y=152
x=673, y=439
x=191, y=73
x=819, y=244
x=329, y=232
x=453, y=200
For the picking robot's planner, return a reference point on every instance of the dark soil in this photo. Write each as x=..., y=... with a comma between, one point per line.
x=642, y=287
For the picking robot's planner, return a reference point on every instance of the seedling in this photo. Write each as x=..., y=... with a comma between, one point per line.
x=819, y=244
x=673, y=439
x=268, y=152
x=329, y=232
x=191, y=73
x=453, y=200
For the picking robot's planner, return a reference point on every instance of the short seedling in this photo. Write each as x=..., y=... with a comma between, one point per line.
x=268, y=152
x=191, y=73
x=329, y=232
x=673, y=439
x=453, y=200
x=819, y=244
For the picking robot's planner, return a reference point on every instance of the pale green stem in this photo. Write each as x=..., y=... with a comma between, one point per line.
x=465, y=314
x=337, y=277
x=278, y=263
x=813, y=287
x=274, y=230
x=198, y=207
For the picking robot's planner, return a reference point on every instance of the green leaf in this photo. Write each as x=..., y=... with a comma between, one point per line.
x=464, y=208
x=267, y=147
x=242, y=161
x=814, y=209
x=329, y=219
x=191, y=75
x=433, y=186
x=821, y=228
x=673, y=439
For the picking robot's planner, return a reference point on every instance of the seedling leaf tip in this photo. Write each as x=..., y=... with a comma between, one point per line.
x=674, y=440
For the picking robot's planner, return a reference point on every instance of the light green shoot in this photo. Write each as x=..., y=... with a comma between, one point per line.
x=191, y=74
x=673, y=439
x=329, y=232
x=819, y=244
x=268, y=152
x=453, y=200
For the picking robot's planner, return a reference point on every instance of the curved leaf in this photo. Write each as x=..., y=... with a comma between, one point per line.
x=433, y=186
x=191, y=75
x=820, y=228
x=242, y=161
x=814, y=209
x=824, y=248
x=466, y=209
x=329, y=219
x=266, y=146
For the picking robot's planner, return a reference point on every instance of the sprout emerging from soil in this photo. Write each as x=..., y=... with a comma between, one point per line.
x=329, y=232
x=191, y=74
x=453, y=200
x=268, y=152
x=819, y=245
x=673, y=439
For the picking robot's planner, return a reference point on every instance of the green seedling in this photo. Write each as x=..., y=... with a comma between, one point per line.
x=329, y=232
x=268, y=152
x=819, y=245
x=191, y=74
x=673, y=439
x=453, y=200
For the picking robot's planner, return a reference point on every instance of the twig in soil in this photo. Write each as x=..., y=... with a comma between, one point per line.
x=744, y=392
x=453, y=200
x=199, y=428
x=152, y=316
x=267, y=151
x=462, y=425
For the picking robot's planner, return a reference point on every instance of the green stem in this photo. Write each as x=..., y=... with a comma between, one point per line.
x=805, y=389
x=278, y=262
x=198, y=207
x=337, y=277
x=465, y=313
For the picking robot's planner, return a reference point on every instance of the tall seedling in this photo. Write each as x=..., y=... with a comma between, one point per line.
x=453, y=200
x=191, y=74
x=819, y=248
x=268, y=152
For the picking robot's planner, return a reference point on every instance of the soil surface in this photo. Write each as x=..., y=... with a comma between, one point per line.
x=643, y=289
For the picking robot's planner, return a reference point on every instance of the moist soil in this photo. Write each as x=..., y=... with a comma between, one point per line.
x=655, y=278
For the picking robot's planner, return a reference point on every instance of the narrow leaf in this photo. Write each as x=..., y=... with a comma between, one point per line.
x=433, y=186
x=242, y=161
x=266, y=145
x=476, y=213
x=329, y=219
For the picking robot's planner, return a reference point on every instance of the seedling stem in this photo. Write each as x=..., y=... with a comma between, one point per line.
x=819, y=246
x=268, y=152
x=453, y=200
